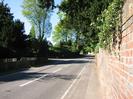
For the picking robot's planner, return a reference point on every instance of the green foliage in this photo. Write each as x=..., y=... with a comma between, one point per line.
x=32, y=33
x=18, y=37
x=38, y=12
x=10, y=31
x=65, y=37
x=62, y=51
x=56, y=35
x=81, y=16
x=6, y=20
x=61, y=34
x=12, y=37
x=96, y=22
x=37, y=15
x=46, y=4
x=109, y=24
x=15, y=44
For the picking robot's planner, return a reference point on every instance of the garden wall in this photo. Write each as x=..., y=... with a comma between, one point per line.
x=116, y=68
x=10, y=64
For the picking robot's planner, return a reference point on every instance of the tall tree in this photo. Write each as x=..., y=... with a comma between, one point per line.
x=6, y=20
x=37, y=15
x=12, y=35
x=38, y=12
x=19, y=38
x=32, y=32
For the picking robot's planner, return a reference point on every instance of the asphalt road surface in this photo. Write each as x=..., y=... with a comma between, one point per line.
x=63, y=79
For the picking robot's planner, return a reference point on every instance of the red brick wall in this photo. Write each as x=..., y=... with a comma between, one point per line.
x=116, y=68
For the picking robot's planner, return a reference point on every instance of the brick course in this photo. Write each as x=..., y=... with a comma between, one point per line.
x=116, y=68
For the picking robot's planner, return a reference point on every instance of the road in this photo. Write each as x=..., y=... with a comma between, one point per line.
x=63, y=79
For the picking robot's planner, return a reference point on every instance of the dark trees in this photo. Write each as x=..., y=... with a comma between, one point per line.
x=12, y=37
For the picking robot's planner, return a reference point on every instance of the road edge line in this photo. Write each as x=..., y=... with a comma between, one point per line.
x=66, y=92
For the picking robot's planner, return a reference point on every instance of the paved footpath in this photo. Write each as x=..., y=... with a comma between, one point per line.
x=87, y=86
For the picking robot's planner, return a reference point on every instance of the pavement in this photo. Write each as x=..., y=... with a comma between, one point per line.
x=63, y=79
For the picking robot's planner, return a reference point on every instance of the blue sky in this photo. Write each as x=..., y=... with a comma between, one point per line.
x=16, y=9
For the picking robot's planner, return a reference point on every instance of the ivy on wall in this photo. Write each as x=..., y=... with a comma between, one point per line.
x=109, y=25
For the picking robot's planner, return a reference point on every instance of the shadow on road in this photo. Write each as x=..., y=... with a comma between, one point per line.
x=23, y=75
x=59, y=76
x=34, y=75
x=89, y=59
x=62, y=61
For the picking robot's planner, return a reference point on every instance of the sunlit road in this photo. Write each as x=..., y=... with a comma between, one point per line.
x=63, y=79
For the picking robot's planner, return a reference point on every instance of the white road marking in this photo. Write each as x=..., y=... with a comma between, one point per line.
x=57, y=70
x=23, y=71
x=39, y=78
x=66, y=92
x=33, y=80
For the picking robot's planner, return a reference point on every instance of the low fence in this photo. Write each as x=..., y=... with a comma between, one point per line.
x=24, y=62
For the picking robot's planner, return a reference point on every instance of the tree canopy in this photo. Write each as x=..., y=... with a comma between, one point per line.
x=38, y=13
x=83, y=17
x=12, y=35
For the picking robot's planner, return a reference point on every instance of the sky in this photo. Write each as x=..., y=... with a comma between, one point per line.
x=16, y=9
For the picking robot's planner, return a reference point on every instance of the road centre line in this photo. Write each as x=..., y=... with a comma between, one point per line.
x=57, y=70
x=67, y=91
x=39, y=78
